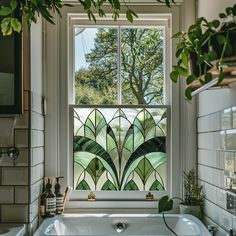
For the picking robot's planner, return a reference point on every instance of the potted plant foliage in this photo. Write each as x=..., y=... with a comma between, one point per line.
x=203, y=46
x=193, y=197
x=31, y=9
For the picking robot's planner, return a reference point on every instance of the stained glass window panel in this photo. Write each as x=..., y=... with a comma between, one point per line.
x=120, y=148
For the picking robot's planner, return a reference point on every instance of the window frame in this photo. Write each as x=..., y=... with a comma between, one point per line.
x=123, y=197
x=57, y=143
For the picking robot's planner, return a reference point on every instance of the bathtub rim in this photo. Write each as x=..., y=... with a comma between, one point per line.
x=120, y=215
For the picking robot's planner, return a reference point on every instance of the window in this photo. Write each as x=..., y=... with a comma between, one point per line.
x=120, y=112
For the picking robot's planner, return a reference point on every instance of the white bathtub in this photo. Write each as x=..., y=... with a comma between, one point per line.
x=136, y=224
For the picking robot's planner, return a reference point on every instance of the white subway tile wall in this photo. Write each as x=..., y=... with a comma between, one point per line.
x=6, y=194
x=216, y=154
x=14, y=213
x=21, y=180
x=22, y=194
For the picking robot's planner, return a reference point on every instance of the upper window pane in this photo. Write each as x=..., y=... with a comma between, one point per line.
x=142, y=65
x=96, y=65
x=119, y=65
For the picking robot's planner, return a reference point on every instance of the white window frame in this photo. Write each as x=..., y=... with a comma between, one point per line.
x=78, y=20
x=57, y=145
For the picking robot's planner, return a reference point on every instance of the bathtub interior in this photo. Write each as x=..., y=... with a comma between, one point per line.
x=87, y=225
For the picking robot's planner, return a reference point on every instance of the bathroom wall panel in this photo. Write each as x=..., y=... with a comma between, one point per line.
x=216, y=153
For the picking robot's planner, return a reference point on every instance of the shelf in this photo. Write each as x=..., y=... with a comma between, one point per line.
x=230, y=77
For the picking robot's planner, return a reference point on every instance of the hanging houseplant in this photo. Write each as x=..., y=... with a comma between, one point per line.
x=203, y=46
x=31, y=9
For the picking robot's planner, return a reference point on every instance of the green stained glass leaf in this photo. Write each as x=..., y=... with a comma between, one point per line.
x=156, y=159
x=83, y=185
x=144, y=169
x=131, y=185
x=157, y=186
x=108, y=186
x=95, y=169
x=87, y=145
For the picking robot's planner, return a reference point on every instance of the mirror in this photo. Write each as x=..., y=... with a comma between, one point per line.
x=10, y=73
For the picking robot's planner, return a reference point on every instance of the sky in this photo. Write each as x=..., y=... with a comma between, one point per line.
x=84, y=42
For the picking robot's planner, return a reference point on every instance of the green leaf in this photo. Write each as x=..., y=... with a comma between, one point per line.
x=16, y=25
x=216, y=23
x=174, y=75
x=13, y=4
x=6, y=26
x=221, y=76
x=184, y=57
x=5, y=11
x=188, y=94
x=167, y=3
x=165, y=204
x=116, y=4
x=129, y=16
x=101, y=13
x=222, y=15
x=178, y=34
x=234, y=10
x=190, y=79
x=181, y=70
x=228, y=10
x=208, y=77
x=87, y=4
x=221, y=39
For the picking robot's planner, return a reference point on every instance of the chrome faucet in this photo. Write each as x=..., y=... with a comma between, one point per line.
x=212, y=229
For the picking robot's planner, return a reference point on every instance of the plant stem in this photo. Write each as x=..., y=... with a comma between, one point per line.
x=163, y=215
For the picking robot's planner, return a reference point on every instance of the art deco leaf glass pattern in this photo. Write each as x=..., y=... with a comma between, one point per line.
x=121, y=148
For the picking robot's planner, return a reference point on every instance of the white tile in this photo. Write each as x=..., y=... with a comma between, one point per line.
x=211, y=211
x=21, y=194
x=37, y=173
x=37, y=156
x=32, y=227
x=23, y=159
x=226, y=119
x=21, y=138
x=215, y=122
x=14, y=176
x=22, y=121
x=223, y=140
x=234, y=116
x=209, y=191
x=217, y=140
x=33, y=210
x=36, y=190
x=5, y=160
x=14, y=213
x=37, y=138
x=231, y=139
x=37, y=121
x=36, y=103
x=203, y=124
x=221, y=197
x=222, y=160
x=7, y=131
x=225, y=219
x=6, y=194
